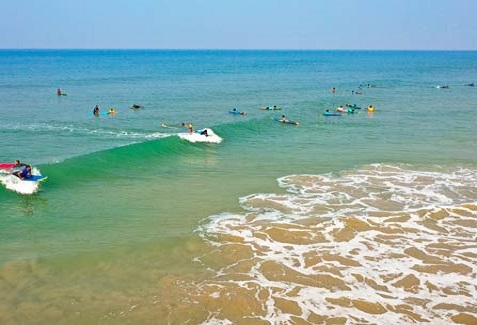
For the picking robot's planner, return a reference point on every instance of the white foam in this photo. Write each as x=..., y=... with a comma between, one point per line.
x=397, y=212
x=211, y=137
x=15, y=184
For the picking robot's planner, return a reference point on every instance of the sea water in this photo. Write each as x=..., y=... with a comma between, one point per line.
x=361, y=218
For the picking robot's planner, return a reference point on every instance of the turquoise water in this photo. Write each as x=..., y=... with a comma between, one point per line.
x=122, y=186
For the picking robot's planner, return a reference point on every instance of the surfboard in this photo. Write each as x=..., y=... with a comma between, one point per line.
x=237, y=112
x=164, y=125
x=7, y=165
x=331, y=114
x=276, y=119
x=35, y=178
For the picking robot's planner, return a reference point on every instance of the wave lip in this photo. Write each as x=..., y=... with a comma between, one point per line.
x=380, y=244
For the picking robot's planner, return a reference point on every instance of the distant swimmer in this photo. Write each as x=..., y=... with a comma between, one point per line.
x=111, y=111
x=96, y=110
x=271, y=108
x=353, y=106
x=442, y=87
x=58, y=92
x=472, y=84
x=340, y=109
x=237, y=112
x=370, y=108
x=136, y=106
x=333, y=90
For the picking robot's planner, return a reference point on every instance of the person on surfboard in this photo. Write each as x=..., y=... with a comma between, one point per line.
x=96, y=110
x=24, y=173
x=18, y=164
x=284, y=119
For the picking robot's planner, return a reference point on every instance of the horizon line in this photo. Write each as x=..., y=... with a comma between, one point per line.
x=231, y=49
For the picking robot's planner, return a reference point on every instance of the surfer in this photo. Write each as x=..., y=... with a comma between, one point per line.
x=58, y=92
x=284, y=119
x=204, y=132
x=18, y=164
x=189, y=126
x=24, y=173
x=235, y=111
x=96, y=110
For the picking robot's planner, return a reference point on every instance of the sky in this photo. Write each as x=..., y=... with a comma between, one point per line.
x=239, y=24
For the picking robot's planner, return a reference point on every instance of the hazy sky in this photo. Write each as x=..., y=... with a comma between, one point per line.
x=240, y=24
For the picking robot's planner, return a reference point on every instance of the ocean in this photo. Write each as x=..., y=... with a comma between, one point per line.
x=364, y=218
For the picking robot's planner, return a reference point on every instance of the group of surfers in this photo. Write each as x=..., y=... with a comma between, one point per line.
x=20, y=170
x=350, y=108
x=112, y=111
x=188, y=126
x=96, y=111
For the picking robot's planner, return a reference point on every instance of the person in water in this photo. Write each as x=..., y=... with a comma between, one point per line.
x=18, y=164
x=237, y=112
x=189, y=126
x=96, y=110
x=283, y=119
x=58, y=92
x=24, y=173
x=204, y=132
x=111, y=111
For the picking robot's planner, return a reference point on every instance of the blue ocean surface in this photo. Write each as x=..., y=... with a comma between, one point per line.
x=128, y=198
